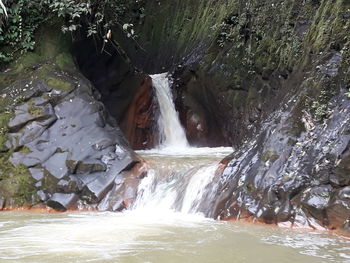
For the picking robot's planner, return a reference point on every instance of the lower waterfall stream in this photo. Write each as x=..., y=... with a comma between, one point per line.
x=168, y=221
x=178, y=182
x=165, y=226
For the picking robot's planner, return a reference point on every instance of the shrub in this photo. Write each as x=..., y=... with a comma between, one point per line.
x=20, y=19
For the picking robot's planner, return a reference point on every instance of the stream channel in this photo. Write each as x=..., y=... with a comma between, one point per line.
x=168, y=222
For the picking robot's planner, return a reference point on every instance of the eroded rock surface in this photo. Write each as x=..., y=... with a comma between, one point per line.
x=60, y=147
x=296, y=169
x=139, y=123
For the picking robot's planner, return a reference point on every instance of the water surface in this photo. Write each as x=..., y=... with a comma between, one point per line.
x=162, y=228
x=136, y=236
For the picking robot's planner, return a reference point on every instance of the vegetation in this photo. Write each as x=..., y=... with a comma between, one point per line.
x=16, y=180
x=59, y=84
x=3, y=8
x=21, y=18
x=35, y=111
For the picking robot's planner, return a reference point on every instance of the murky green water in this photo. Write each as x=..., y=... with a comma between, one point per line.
x=140, y=236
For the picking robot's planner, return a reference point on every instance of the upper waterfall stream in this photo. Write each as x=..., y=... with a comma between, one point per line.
x=172, y=134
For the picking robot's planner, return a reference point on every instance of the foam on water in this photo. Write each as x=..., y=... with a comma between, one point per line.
x=149, y=236
x=180, y=181
x=189, y=151
x=197, y=188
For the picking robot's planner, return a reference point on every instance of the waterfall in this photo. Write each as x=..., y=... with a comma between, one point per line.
x=181, y=188
x=180, y=178
x=172, y=134
x=197, y=191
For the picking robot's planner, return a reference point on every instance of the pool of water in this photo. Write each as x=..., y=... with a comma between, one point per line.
x=148, y=236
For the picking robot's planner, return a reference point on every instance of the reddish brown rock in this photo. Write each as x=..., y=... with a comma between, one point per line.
x=124, y=192
x=196, y=129
x=138, y=123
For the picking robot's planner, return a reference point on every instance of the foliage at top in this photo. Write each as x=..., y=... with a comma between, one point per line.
x=3, y=8
x=19, y=19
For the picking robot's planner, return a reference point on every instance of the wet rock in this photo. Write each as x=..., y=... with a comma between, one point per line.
x=21, y=117
x=71, y=185
x=62, y=136
x=29, y=112
x=102, y=184
x=124, y=191
x=37, y=173
x=63, y=202
x=62, y=185
x=24, y=158
x=56, y=165
x=120, y=152
x=34, y=130
x=2, y=203
x=138, y=124
x=273, y=180
x=98, y=188
x=338, y=210
x=103, y=144
x=198, y=110
x=331, y=67
x=315, y=201
x=89, y=167
x=42, y=195
x=340, y=176
x=196, y=129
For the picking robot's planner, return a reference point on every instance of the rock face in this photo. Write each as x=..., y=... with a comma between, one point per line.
x=126, y=92
x=233, y=61
x=296, y=169
x=60, y=147
x=139, y=122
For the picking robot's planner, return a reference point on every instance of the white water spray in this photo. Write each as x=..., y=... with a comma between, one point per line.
x=197, y=190
x=172, y=134
x=179, y=181
x=184, y=187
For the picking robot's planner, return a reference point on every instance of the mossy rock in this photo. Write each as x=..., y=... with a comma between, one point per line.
x=19, y=82
x=269, y=156
x=35, y=111
x=59, y=84
x=49, y=182
x=16, y=182
x=65, y=61
x=4, y=119
x=25, y=149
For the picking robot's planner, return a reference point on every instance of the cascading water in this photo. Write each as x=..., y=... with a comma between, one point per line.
x=180, y=177
x=172, y=134
x=178, y=184
x=199, y=191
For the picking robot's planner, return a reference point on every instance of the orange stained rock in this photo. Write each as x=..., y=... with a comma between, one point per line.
x=137, y=123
